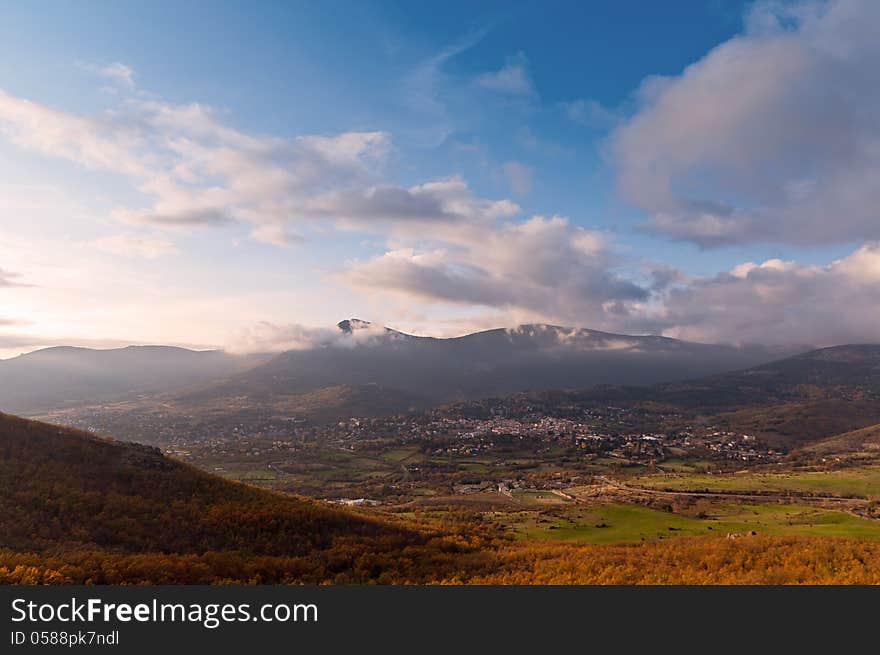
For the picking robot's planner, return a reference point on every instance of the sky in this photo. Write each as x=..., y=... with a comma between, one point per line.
x=234, y=175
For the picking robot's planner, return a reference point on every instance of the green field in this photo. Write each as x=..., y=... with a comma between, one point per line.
x=398, y=455
x=861, y=482
x=623, y=523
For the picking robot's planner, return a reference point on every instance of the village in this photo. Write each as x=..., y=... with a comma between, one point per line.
x=501, y=446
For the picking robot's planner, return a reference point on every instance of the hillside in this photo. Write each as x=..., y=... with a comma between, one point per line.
x=848, y=372
x=57, y=377
x=65, y=490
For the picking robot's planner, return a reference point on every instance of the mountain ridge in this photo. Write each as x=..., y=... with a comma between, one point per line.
x=61, y=376
x=373, y=368
x=430, y=371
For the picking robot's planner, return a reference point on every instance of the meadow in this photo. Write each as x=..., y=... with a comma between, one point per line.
x=619, y=523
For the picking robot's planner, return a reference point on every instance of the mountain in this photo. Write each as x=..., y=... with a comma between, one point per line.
x=790, y=401
x=56, y=377
x=410, y=371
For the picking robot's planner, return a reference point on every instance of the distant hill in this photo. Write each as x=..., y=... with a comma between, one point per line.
x=401, y=371
x=794, y=400
x=850, y=372
x=57, y=377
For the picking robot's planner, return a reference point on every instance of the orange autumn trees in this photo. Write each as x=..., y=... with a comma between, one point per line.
x=693, y=561
x=697, y=560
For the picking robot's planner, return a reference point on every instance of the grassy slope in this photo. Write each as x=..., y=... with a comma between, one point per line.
x=793, y=423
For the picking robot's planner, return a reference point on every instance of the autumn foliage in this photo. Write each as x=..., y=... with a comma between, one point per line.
x=698, y=560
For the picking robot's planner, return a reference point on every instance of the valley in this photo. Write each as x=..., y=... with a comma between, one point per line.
x=720, y=459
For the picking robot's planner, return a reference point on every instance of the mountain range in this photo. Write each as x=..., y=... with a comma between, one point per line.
x=387, y=369
x=58, y=377
x=362, y=369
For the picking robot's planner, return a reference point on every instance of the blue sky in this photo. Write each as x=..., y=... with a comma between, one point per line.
x=220, y=174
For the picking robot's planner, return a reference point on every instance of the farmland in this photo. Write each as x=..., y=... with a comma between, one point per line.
x=615, y=523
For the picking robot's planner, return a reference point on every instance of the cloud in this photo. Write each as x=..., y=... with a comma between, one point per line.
x=512, y=79
x=268, y=337
x=196, y=171
x=518, y=176
x=772, y=136
x=117, y=72
x=130, y=246
x=775, y=302
x=447, y=201
x=780, y=302
x=109, y=144
x=428, y=91
x=543, y=266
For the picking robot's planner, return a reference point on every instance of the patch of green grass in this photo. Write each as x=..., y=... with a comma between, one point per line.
x=398, y=455
x=625, y=523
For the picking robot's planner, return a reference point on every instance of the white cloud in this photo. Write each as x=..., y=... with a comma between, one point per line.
x=273, y=337
x=119, y=73
x=131, y=246
x=196, y=171
x=780, y=302
x=540, y=266
x=772, y=136
x=512, y=79
x=109, y=144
